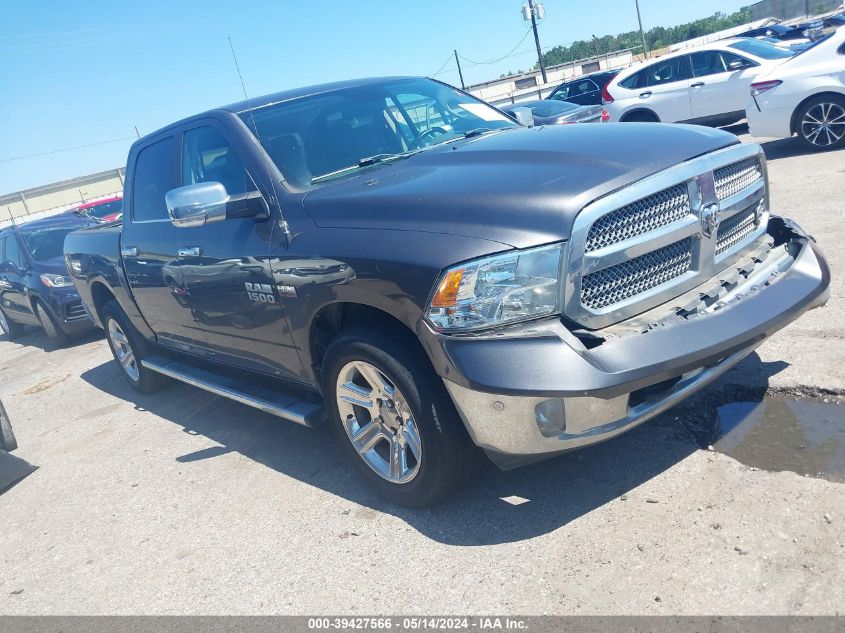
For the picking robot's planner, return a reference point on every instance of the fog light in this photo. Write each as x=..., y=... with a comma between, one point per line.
x=551, y=419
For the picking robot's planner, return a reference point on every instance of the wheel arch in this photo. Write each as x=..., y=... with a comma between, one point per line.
x=639, y=111
x=793, y=120
x=332, y=319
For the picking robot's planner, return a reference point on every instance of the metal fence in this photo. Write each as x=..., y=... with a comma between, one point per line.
x=789, y=9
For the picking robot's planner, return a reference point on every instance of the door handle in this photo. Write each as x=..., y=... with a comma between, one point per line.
x=129, y=251
x=190, y=251
x=697, y=84
x=646, y=94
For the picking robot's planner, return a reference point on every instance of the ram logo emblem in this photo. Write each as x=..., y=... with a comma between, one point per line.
x=709, y=219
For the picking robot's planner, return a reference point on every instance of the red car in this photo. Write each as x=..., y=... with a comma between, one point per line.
x=106, y=210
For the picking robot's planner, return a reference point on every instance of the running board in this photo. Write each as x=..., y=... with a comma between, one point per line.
x=252, y=394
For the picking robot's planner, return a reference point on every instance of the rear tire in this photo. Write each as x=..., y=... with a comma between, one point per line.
x=419, y=450
x=51, y=328
x=129, y=349
x=8, y=327
x=820, y=123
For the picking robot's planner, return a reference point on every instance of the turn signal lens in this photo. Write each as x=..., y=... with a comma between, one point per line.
x=447, y=291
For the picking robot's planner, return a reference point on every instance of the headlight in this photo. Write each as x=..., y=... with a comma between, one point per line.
x=506, y=288
x=56, y=281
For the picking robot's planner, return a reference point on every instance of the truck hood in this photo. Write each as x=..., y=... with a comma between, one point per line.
x=519, y=187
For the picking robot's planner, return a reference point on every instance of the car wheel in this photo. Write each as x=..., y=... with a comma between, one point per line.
x=8, y=327
x=129, y=349
x=820, y=123
x=393, y=419
x=52, y=329
x=640, y=117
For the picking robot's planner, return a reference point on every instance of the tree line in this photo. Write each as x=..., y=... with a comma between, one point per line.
x=657, y=37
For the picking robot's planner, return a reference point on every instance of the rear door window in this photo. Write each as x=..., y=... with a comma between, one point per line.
x=634, y=81
x=668, y=71
x=155, y=174
x=707, y=63
x=12, y=252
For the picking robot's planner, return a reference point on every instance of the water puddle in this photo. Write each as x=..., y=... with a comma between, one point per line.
x=803, y=436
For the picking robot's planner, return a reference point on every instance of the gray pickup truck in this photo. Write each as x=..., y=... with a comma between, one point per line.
x=412, y=267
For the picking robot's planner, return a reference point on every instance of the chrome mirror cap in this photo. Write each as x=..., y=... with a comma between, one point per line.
x=196, y=205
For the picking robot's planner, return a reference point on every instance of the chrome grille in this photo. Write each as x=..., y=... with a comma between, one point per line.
x=736, y=228
x=645, y=244
x=630, y=278
x=642, y=216
x=75, y=311
x=733, y=178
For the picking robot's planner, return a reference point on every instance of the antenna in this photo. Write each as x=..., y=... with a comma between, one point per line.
x=283, y=222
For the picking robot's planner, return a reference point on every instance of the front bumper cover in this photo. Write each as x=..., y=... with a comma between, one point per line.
x=532, y=391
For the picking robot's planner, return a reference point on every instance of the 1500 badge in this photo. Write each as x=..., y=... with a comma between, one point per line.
x=262, y=293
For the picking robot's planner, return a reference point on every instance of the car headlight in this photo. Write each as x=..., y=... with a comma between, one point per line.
x=514, y=286
x=56, y=281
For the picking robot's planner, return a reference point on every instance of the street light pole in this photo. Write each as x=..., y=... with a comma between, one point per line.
x=537, y=41
x=642, y=35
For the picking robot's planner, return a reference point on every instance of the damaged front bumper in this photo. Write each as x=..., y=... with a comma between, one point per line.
x=539, y=389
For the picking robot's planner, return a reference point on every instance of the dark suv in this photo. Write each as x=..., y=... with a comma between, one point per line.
x=35, y=288
x=585, y=90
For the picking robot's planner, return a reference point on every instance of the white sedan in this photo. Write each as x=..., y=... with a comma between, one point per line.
x=803, y=96
x=707, y=84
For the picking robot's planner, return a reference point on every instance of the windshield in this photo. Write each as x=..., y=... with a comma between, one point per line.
x=99, y=211
x=763, y=50
x=46, y=244
x=315, y=138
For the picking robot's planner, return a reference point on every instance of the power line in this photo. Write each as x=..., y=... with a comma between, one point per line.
x=439, y=70
x=66, y=149
x=503, y=57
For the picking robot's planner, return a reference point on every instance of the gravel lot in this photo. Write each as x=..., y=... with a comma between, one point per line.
x=182, y=503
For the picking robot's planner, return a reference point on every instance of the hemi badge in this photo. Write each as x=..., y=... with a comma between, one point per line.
x=286, y=291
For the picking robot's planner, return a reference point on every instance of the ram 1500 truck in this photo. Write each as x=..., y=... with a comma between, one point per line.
x=406, y=263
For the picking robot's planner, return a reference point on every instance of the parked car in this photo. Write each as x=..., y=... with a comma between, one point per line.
x=783, y=32
x=35, y=288
x=473, y=284
x=553, y=112
x=585, y=90
x=804, y=96
x=105, y=210
x=834, y=21
x=706, y=85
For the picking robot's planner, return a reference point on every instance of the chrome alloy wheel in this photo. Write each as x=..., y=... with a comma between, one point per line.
x=378, y=422
x=123, y=350
x=4, y=325
x=824, y=124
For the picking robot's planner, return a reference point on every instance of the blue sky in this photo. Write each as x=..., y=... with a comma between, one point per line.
x=86, y=71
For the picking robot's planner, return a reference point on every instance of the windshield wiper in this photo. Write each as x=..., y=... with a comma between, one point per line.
x=364, y=162
x=378, y=158
x=477, y=132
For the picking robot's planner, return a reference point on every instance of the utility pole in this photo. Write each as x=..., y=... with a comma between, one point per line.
x=460, y=73
x=537, y=40
x=642, y=35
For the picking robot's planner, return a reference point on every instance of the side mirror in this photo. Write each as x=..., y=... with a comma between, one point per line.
x=736, y=64
x=523, y=116
x=197, y=205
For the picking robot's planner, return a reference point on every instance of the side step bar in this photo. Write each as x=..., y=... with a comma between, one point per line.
x=278, y=403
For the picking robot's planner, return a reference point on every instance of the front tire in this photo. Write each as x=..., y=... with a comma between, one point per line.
x=394, y=420
x=820, y=123
x=51, y=328
x=8, y=327
x=129, y=349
